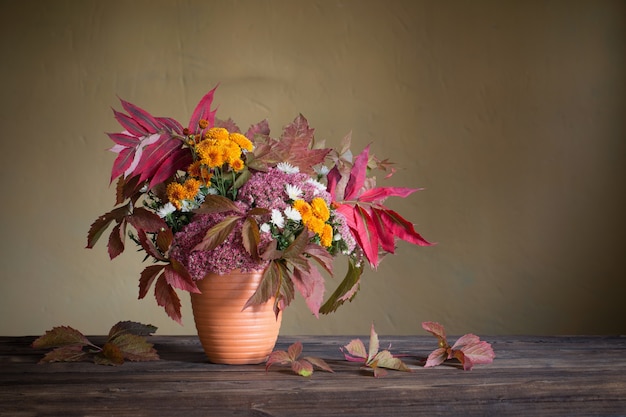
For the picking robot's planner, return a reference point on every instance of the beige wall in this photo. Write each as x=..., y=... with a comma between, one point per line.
x=510, y=113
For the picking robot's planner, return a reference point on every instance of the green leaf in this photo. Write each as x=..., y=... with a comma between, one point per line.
x=61, y=336
x=302, y=367
x=346, y=290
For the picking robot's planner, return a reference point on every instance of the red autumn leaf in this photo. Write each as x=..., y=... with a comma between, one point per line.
x=148, y=275
x=168, y=299
x=402, y=228
x=177, y=276
x=218, y=233
x=358, y=174
x=295, y=146
x=311, y=285
x=116, y=240
x=468, y=349
x=102, y=223
x=203, y=111
x=260, y=128
x=379, y=194
x=148, y=122
x=366, y=235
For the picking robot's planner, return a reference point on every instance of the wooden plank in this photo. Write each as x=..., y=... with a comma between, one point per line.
x=543, y=376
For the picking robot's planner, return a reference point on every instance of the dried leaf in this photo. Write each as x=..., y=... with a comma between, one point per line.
x=346, y=290
x=71, y=353
x=216, y=235
x=110, y=355
x=131, y=327
x=134, y=347
x=61, y=336
x=302, y=367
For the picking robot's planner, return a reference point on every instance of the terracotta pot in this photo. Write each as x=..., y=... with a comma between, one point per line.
x=228, y=333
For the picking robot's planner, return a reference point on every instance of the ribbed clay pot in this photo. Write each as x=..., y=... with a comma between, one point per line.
x=228, y=333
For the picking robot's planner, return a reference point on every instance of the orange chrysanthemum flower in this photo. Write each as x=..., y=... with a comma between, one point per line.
x=175, y=194
x=320, y=209
x=326, y=238
x=303, y=208
x=242, y=141
x=237, y=165
x=203, y=123
x=191, y=186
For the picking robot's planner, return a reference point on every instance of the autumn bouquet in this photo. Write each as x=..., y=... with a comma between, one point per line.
x=208, y=197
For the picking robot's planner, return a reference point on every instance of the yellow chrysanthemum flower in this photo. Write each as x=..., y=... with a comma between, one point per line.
x=217, y=133
x=326, y=238
x=242, y=141
x=320, y=209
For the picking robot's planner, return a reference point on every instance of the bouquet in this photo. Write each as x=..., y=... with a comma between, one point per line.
x=208, y=197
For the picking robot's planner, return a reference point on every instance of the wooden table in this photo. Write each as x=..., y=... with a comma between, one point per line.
x=551, y=376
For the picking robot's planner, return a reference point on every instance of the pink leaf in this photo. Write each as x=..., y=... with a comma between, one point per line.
x=355, y=351
x=311, y=285
x=379, y=194
x=437, y=357
x=144, y=119
x=130, y=124
x=402, y=228
x=385, y=234
x=261, y=128
x=332, y=180
x=125, y=140
x=203, y=111
x=358, y=174
x=366, y=235
x=122, y=162
x=436, y=330
x=294, y=350
x=177, y=276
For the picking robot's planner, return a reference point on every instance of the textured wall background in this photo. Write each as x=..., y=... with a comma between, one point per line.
x=511, y=114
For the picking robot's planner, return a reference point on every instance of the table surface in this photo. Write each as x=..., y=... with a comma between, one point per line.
x=539, y=376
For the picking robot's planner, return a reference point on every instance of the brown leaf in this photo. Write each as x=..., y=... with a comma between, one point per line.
x=110, y=355
x=61, y=336
x=131, y=327
x=148, y=275
x=71, y=353
x=216, y=235
x=217, y=204
x=135, y=348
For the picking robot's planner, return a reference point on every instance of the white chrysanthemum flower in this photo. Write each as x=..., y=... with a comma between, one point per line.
x=211, y=191
x=293, y=192
x=265, y=228
x=287, y=168
x=322, y=170
x=319, y=187
x=293, y=214
x=277, y=218
x=188, y=205
x=169, y=208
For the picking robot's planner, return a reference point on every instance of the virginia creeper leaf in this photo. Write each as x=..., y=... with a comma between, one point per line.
x=167, y=298
x=302, y=367
x=60, y=336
